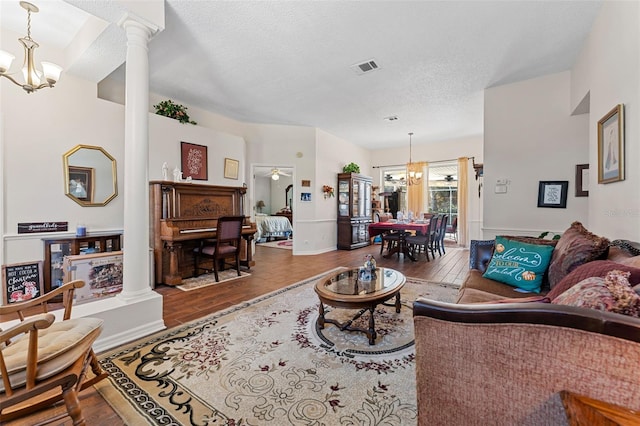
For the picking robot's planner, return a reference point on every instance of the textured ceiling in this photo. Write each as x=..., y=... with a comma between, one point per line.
x=288, y=62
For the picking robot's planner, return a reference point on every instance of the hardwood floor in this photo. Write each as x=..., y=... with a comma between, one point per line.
x=275, y=268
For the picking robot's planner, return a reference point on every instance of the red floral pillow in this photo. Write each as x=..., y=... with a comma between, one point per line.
x=612, y=293
x=597, y=268
x=576, y=247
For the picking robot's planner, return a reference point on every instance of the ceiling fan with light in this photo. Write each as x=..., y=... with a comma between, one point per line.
x=275, y=174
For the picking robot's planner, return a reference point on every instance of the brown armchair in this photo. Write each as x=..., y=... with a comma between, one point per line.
x=43, y=361
x=225, y=246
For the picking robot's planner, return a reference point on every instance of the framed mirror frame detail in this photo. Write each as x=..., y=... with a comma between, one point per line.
x=85, y=181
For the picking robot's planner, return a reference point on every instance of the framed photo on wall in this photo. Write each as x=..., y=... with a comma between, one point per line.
x=611, y=146
x=81, y=181
x=231, y=167
x=194, y=161
x=553, y=194
x=582, y=180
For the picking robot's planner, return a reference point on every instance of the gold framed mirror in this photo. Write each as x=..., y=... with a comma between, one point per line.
x=90, y=177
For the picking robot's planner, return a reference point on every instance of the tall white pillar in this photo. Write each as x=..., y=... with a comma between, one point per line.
x=136, y=161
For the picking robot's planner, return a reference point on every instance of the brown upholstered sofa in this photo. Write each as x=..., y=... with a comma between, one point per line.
x=507, y=363
x=476, y=288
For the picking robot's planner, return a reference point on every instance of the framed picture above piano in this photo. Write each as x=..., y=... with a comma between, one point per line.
x=194, y=161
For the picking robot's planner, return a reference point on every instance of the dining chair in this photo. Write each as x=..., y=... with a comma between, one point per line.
x=226, y=245
x=419, y=241
x=392, y=238
x=453, y=229
x=442, y=230
x=434, y=224
x=44, y=361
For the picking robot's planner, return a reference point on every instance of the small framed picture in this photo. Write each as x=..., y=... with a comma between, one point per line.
x=553, y=194
x=231, y=167
x=22, y=281
x=194, y=161
x=611, y=146
x=305, y=196
x=306, y=183
x=582, y=180
x=81, y=181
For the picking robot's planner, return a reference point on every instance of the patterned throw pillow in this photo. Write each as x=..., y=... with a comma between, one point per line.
x=597, y=268
x=519, y=264
x=612, y=293
x=576, y=247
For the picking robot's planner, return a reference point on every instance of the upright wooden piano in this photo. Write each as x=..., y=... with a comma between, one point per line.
x=184, y=213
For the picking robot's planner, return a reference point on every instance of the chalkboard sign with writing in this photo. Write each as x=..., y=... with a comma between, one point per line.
x=21, y=281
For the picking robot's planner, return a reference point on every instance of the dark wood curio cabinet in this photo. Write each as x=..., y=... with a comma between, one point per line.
x=354, y=210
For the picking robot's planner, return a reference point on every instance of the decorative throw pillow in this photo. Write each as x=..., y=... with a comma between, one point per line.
x=597, y=268
x=576, y=247
x=611, y=293
x=519, y=264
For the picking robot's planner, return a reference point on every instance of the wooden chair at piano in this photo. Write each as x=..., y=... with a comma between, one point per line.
x=226, y=245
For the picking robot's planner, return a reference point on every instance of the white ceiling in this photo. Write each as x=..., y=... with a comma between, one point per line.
x=288, y=62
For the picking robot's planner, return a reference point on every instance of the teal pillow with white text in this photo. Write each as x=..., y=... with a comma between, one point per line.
x=519, y=264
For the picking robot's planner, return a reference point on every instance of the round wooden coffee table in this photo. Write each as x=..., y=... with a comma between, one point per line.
x=355, y=289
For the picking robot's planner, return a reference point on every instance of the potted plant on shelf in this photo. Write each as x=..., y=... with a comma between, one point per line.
x=351, y=168
x=173, y=110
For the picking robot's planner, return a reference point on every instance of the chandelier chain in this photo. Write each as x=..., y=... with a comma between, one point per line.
x=29, y=25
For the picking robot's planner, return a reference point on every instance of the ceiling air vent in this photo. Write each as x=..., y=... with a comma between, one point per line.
x=365, y=67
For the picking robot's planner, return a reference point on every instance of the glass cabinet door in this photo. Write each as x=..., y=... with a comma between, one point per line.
x=343, y=198
x=367, y=199
x=355, y=212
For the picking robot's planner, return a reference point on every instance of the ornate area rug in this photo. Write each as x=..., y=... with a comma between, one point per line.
x=210, y=279
x=266, y=362
x=282, y=244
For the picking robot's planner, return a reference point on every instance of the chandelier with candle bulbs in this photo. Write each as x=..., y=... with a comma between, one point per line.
x=414, y=171
x=33, y=78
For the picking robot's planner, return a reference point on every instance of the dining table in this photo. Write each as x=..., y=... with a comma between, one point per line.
x=404, y=228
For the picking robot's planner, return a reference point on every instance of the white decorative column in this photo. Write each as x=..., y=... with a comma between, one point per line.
x=136, y=160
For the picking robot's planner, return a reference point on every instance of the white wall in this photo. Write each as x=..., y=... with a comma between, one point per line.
x=32, y=167
x=530, y=136
x=608, y=69
x=165, y=136
x=332, y=154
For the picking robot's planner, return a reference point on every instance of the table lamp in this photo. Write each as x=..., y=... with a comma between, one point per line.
x=260, y=204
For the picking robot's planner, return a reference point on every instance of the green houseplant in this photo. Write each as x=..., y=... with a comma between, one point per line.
x=351, y=168
x=173, y=110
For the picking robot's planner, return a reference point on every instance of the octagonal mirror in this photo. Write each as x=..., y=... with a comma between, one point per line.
x=89, y=175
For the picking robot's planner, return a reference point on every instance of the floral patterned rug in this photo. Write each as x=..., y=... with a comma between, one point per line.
x=266, y=362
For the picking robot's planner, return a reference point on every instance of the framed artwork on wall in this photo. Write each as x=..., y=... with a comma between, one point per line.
x=231, y=167
x=81, y=181
x=194, y=161
x=611, y=146
x=582, y=180
x=553, y=193
x=21, y=282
